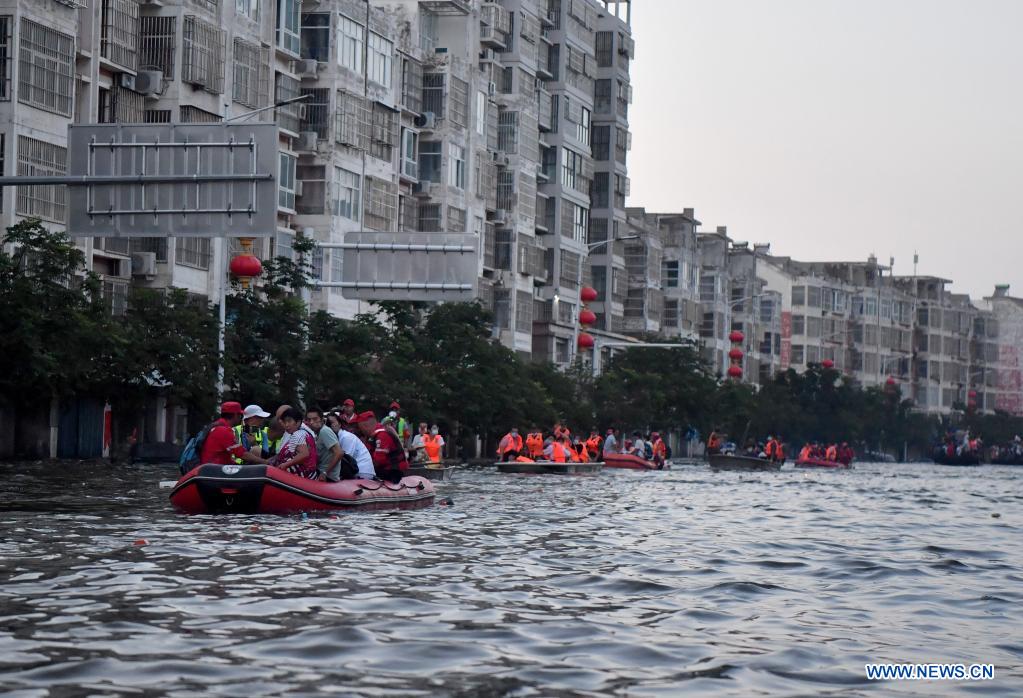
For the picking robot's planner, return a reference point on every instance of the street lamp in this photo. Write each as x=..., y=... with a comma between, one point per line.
x=579, y=277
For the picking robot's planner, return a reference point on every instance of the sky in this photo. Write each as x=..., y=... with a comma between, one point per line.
x=834, y=129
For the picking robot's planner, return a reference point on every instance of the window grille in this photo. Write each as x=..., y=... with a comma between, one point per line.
x=288, y=115
x=569, y=269
x=459, y=101
x=115, y=293
x=156, y=245
x=433, y=94
x=429, y=218
x=119, y=33
x=251, y=74
x=408, y=213
x=195, y=115
x=601, y=143
x=527, y=199
x=349, y=115
x=156, y=48
x=507, y=131
x=38, y=158
x=317, y=111
x=247, y=8
x=381, y=204
x=602, y=96
x=192, y=252
x=46, y=68
x=208, y=5
x=5, y=58
x=203, y=63
x=383, y=131
x=523, y=311
x=411, y=84
x=122, y=106
x=529, y=27
x=506, y=190
x=605, y=43
x=157, y=116
x=456, y=220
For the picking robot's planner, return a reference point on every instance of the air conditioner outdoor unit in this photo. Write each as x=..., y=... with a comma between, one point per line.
x=126, y=80
x=500, y=216
x=426, y=121
x=306, y=141
x=143, y=264
x=298, y=188
x=124, y=268
x=491, y=88
x=307, y=67
x=149, y=82
x=501, y=160
x=422, y=188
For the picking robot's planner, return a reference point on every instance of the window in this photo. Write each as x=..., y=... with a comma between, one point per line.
x=411, y=84
x=5, y=58
x=813, y=296
x=605, y=43
x=481, y=113
x=601, y=194
x=119, y=37
x=159, y=36
x=523, y=311
x=38, y=158
x=409, y=153
x=316, y=112
x=284, y=245
x=381, y=204
x=870, y=305
x=571, y=168
x=379, y=59
x=316, y=36
x=192, y=252
x=797, y=354
x=286, y=185
x=383, y=131
x=194, y=115
x=429, y=161
x=602, y=96
x=350, y=38
x=288, y=37
x=346, y=194
x=601, y=144
x=582, y=129
x=288, y=115
x=799, y=295
x=46, y=68
x=459, y=102
x=429, y=218
x=708, y=287
x=203, y=60
x=669, y=273
x=456, y=220
x=799, y=324
x=580, y=222
x=247, y=8
x=251, y=74
x=456, y=165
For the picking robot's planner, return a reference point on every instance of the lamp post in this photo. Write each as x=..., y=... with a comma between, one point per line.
x=579, y=306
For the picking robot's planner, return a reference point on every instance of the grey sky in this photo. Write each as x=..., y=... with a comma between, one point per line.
x=837, y=128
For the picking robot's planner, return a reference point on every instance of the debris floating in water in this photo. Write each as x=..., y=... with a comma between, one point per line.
x=141, y=541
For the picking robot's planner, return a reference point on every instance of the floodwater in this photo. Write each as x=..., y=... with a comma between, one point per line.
x=624, y=583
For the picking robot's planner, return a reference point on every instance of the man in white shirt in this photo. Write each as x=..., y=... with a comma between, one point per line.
x=353, y=451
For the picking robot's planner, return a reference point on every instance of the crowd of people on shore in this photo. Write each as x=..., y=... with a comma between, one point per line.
x=329, y=446
x=560, y=445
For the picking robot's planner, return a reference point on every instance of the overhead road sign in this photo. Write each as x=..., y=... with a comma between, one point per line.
x=185, y=180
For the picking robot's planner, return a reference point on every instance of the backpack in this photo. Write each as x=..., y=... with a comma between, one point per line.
x=191, y=454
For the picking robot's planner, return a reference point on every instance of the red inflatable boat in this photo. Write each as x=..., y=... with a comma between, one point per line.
x=821, y=463
x=626, y=460
x=261, y=489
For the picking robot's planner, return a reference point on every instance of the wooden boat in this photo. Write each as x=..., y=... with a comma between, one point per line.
x=626, y=460
x=549, y=468
x=822, y=463
x=725, y=462
x=441, y=474
x=262, y=489
x=941, y=457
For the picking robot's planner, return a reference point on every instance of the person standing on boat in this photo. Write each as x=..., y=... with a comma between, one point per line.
x=832, y=453
x=389, y=458
x=713, y=443
x=328, y=450
x=297, y=454
x=221, y=446
x=401, y=425
x=660, y=451
x=534, y=443
x=611, y=442
x=510, y=445
x=428, y=444
x=252, y=434
x=593, y=445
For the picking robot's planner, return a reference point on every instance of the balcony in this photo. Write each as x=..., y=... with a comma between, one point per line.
x=451, y=8
x=545, y=113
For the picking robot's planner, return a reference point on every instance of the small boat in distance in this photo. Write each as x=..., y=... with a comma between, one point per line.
x=721, y=461
x=941, y=457
x=627, y=460
x=442, y=474
x=549, y=468
x=822, y=463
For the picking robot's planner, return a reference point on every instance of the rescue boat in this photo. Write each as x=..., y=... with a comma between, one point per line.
x=720, y=461
x=262, y=489
x=627, y=460
x=821, y=463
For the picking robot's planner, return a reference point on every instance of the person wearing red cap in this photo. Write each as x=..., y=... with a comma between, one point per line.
x=348, y=415
x=401, y=425
x=389, y=457
x=221, y=446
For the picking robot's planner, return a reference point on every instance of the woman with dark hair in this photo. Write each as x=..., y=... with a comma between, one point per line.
x=297, y=453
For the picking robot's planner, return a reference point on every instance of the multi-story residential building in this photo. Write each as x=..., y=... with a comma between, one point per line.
x=1003, y=352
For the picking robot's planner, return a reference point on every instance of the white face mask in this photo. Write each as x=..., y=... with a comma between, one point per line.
x=434, y=431
x=392, y=414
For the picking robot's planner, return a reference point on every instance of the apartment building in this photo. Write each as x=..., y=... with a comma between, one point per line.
x=1003, y=377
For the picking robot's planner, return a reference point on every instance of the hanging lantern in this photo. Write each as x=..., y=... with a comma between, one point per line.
x=828, y=364
x=587, y=317
x=736, y=336
x=588, y=294
x=735, y=354
x=890, y=382
x=585, y=341
x=972, y=394
x=734, y=372
x=246, y=265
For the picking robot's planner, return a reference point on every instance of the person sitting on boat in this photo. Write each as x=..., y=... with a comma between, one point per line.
x=832, y=453
x=660, y=451
x=297, y=454
x=328, y=449
x=557, y=451
x=581, y=450
x=433, y=444
x=638, y=447
x=534, y=443
x=777, y=450
x=713, y=443
x=593, y=445
x=389, y=458
x=512, y=441
x=356, y=462
x=611, y=442
x=806, y=452
x=845, y=454
x=221, y=446
x=252, y=434
x=750, y=448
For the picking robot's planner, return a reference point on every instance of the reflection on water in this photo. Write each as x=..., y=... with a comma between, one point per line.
x=626, y=583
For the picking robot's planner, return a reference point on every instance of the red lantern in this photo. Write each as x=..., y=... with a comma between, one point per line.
x=585, y=341
x=972, y=394
x=734, y=372
x=587, y=317
x=246, y=265
x=736, y=336
x=828, y=363
x=735, y=354
x=890, y=382
x=588, y=294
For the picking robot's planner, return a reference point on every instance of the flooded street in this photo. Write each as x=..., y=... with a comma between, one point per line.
x=625, y=583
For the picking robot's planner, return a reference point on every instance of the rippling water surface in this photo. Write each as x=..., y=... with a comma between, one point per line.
x=625, y=583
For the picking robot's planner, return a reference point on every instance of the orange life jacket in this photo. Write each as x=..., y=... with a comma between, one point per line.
x=660, y=449
x=534, y=444
x=584, y=454
x=832, y=453
x=523, y=459
x=514, y=443
x=593, y=445
x=431, y=444
x=558, y=454
x=769, y=448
